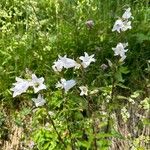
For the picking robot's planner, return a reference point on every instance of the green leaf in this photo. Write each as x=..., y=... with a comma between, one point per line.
x=46, y=146
x=122, y=86
x=85, y=144
x=124, y=70
x=118, y=76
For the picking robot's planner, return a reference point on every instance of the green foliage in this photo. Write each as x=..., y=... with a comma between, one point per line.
x=32, y=35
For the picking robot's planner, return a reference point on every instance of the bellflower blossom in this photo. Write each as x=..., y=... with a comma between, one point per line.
x=39, y=101
x=127, y=14
x=84, y=90
x=86, y=60
x=64, y=62
x=37, y=83
x=68, y=62
x=66, y=85
x=20, y=86
x=58, y=66
x=118, y=25
x=120, y=50
x=123, y=24
x=126, y=25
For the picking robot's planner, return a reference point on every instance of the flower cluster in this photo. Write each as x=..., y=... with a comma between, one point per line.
x=120, y=50
x=64, y=62
x=123, y=23
x=22, y=85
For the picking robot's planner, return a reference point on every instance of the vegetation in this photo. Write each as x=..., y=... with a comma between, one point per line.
x=112, y=113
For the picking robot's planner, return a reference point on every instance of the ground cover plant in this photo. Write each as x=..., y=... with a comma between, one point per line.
x=74, y=74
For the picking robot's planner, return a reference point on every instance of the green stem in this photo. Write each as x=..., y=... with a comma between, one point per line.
x=53, y=124
x=94, y=132
x=110, y=102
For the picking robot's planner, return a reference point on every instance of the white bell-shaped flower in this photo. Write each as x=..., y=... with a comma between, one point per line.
x=37, y=83
x=20, y=86
x=84, y=90
x=127, y=14
x=64, y=62
x=120, y=50
x=66, y=84
x=86, y=60
x=39, y=101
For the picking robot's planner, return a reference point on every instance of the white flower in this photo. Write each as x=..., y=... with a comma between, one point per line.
x=120, y=50
x=122, y=58
x=126, y=25
x=37, y=83
x=66, y=85
x=84, y=90
x=67, y=62
x=64, y=62
x=86, y=60
x=118, y=25
x=20, y=86
x=39, y=101
x=127, y=14
x=121, y=25
x=58, y=66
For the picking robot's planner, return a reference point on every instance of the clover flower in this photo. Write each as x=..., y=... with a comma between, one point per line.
x=20, y=86
x=37, y=83
x=120, y=50
x=66, y=84
x=84, y=90
x=39, y=101
x=86, y=60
